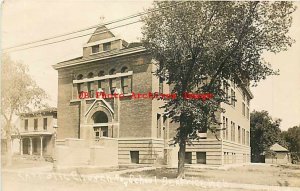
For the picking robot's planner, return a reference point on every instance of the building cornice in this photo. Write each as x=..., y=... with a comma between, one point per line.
x=103, y=56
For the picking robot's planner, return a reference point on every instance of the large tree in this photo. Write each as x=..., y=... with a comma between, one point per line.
x=200, y=45
x=19, y=93
x=292, y=137
x=265, y=131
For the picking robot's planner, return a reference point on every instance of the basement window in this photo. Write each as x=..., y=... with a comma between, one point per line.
x=188, y=158
x=201, y=157
x=134, y=156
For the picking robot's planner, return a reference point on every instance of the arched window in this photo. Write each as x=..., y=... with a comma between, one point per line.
x=79, y=77
x=101, y=73
x=90, y=75
x=100, y=117
x=112, y=71
x=124, y=69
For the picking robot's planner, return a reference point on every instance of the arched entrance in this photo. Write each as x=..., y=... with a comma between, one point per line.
x=100, y=124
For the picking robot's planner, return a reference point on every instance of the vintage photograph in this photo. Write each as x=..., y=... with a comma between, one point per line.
x=150, y=95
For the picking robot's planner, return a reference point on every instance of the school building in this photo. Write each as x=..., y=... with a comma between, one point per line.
x=111, y=131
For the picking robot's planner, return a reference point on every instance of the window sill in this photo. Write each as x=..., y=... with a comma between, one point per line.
x=75, y=100
x=92, y=54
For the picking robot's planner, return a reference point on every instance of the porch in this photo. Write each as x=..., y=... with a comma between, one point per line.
x=35, y=144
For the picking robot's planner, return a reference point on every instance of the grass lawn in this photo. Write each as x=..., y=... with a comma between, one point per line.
x=18, y=163
x=263, y=174
x=254, y=174
x=12, y=182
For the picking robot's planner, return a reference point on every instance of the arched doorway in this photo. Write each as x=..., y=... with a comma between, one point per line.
x=100, y=124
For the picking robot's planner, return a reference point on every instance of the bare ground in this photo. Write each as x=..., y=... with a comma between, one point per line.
x=248, y=177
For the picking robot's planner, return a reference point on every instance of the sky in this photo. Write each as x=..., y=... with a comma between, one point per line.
x=24, y=21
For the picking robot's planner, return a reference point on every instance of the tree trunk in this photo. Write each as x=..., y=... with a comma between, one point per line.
x=181, y=159
x=8, y=147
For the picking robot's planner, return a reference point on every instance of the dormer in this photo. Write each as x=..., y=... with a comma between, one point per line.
x=101, y=41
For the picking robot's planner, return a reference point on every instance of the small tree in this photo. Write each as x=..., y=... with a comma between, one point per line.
x=19, y=93
x=200, y=45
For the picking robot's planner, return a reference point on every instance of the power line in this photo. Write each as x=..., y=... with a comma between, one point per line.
x=69, y=33
x=81, y=30
x=100, y=32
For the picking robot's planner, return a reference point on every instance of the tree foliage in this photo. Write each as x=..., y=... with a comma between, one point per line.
x=264, y=133
x=292, y=138
x=19, y=93
x=201, y=45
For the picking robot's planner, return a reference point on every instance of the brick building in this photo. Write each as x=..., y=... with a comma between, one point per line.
x=136, y=127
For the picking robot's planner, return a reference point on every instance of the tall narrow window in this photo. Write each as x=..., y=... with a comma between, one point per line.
x=243, y=137
x=79, y=88
x=107, y=46
x=226, y=89
x=165, y=128
x=224, y=132
x=247, y=113
x=226, y=129
x=95, y=49
x=101, y=85
x=248, y=138
x=35, y=127
x=26, y=124
x=232, y=97
x=161, y=85
x=239, y=134
x=158, y=125
x=45, y=123
x=124, y=84
x=112, y=85
x=243, y=109
x=90, y=89
x=232, y=131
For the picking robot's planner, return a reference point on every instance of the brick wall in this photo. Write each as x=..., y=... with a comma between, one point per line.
x=135, y=115
x=67, y=112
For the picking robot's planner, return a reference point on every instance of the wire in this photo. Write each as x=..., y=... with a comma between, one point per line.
x=100, y=32
x=81, y=30
x=66, y=34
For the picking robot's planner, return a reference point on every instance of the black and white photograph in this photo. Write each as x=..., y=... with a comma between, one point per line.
x=149, y=95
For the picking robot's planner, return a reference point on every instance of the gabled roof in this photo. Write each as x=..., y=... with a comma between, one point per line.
x=101, y=33
x=277, y=147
